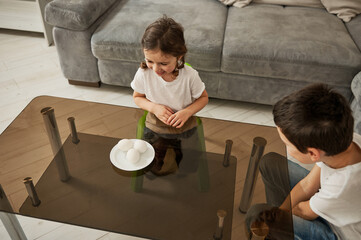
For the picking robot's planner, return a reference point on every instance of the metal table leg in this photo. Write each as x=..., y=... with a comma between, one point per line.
x=55, y=142
x=12, y=226
x=252, y=173
x=9, y=220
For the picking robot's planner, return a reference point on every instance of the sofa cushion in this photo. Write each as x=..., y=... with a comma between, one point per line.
x=301, y=3
x=354, y=28
x=295, y=43
x=119, y=36
x=75, y=14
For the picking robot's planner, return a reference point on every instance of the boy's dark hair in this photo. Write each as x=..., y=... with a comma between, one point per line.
x=167, y=35
x=316, y=117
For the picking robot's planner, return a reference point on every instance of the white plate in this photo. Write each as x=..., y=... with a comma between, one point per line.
x=119, y=160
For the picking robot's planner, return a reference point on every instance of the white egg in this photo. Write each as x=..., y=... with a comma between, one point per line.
x=133, y=155
x=141, y=146
x=125, y=144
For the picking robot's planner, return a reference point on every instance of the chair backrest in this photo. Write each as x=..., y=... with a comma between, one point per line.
x=141, y=125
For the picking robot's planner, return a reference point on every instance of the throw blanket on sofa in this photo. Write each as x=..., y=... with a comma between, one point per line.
x=345, y=10
x=304, y=3
x=236, y=3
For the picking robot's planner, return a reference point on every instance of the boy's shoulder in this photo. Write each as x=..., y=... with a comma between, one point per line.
x=357, y=139
x=355, y=151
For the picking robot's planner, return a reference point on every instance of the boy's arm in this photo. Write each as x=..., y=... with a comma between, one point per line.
x=301, y=194
x=179, y=118
x=160, y=111
x=304, y=211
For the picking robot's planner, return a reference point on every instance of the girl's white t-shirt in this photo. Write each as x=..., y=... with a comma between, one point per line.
x=177, y=95
x=339, y=198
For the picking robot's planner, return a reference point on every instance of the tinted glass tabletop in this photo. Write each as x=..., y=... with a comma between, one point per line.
x=50, y=172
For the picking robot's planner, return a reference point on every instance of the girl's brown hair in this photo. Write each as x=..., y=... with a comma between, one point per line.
x=167, y=35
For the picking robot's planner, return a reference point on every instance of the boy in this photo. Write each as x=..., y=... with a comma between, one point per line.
x=316, y=125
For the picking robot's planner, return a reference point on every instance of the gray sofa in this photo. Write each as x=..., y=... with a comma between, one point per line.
x=257, y=54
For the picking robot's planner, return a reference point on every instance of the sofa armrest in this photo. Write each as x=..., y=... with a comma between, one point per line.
x=354, y=28
x=75, y=15
x=356, y=88
x=356, y=102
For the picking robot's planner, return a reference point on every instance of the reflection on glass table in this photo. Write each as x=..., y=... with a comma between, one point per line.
x=55, y=164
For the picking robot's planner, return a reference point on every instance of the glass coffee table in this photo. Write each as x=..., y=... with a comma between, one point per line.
x=55, y=165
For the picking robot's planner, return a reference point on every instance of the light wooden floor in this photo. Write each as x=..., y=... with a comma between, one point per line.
x=29, y=68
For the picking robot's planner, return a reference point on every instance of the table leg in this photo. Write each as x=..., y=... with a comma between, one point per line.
x=227, y=153
x=12, y=226
x=55, y=142
x=252, y=173
x=74, y=133
x=218, y=235
x=30, y=188
x=9, y=220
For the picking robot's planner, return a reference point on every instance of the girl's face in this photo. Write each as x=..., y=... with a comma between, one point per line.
x=162, y=64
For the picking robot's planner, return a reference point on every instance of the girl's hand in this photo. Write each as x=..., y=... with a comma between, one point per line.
x=163, y=113
x=179, y=118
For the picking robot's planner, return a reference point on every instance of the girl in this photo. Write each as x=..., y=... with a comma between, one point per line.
x=169, y=90
x=164, y=85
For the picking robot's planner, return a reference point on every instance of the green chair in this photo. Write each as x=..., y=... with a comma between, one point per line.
x=202, y=171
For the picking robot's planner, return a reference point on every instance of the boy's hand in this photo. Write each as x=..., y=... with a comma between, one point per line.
x=163, y=113
x=179, y=118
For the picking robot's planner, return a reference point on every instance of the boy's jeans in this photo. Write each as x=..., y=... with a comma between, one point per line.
x=272, y=168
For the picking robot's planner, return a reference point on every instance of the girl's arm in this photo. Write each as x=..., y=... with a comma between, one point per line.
x=160, y=111
x=179, y=118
